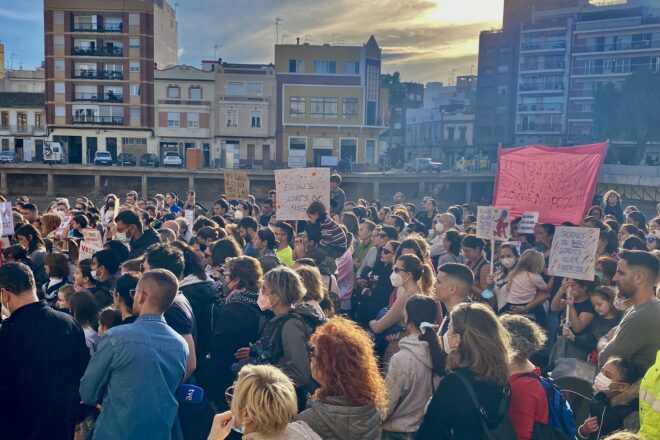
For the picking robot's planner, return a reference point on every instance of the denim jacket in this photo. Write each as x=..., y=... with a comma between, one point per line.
x=134, y=374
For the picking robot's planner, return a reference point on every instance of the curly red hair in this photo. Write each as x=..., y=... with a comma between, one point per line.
x=344, y=357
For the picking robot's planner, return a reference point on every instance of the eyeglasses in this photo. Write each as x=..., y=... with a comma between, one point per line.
x=382, y=234
x=387, y=252
x=142, y=267
x=398, y=269
x=229, y=394
x=132, y=292
x=312, y=352
x=650, y=239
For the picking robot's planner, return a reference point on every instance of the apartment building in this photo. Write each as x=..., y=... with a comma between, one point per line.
x=22, y=124
x=328, y=104
x=100, y=58
x=24, y=80
x=184, y=99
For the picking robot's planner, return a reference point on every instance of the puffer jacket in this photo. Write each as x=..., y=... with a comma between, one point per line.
x=649, y=402
x=293, y=431
x=202, y=295
x=619, y=412
x=410, y=385
x=335, y=419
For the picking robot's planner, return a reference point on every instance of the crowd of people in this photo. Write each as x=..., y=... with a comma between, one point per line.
x=370, y=320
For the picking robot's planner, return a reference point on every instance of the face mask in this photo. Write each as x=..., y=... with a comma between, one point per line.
x=508, y=262
x=93, y=273
x=72, y=233
x=439, y=228
x=621, y=304
x=122, y=237
x=238, y=215
x=602, y=383
x=263, y=302
x=396, y=280
x=445, y=344
x=600, y=276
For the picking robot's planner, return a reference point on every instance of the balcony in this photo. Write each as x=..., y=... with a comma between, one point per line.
x=243, y=98
x=95, y=27
x=531, y=67
x=540, y=107
x=542, y=87
x=580, y=115
x=183, y=102
x=98, y=52
x=95, y=97
x=98, y=120
x=615, y=47
x=548, y=45
x=24, y=129
x=582, y=93
x=94, y=74
x=533, y=128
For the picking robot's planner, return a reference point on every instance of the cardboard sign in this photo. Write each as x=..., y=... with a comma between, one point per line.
x=87, y=250
x=493, y=223
x=297, y=188
x=92, y=236
x=7, y=218
x=237, y=185
x=528, y=221
x=63, y=226
x=189, y=215
x=573, y=252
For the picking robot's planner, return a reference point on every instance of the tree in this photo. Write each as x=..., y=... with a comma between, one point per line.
x=398, y=93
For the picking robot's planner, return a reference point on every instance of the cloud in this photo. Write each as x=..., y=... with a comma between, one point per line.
x=181, y=51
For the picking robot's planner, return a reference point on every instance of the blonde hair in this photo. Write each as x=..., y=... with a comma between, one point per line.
x=531, y=261
x=267, y=396
x=285, y=284
x=311, y=279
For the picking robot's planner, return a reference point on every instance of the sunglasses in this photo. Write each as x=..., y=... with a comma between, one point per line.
x=650, y=239
x=387, y=252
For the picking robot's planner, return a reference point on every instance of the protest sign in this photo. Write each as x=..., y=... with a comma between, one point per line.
x=87, y=250
x=7, y=218
x=189, y=215
x=527, y=223
x=63, y=225
x=573, y=252
x=92, y=236
x=297, y=188
x=237, y=185
x=559, y=183
x=493, y=223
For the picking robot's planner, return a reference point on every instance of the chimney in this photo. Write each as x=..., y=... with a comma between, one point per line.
x=297, y=41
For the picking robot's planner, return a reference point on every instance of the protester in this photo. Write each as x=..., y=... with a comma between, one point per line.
x=452, y=287
x=284, y=234
x=104, y=268
x=57, y=269
x=83, y=308
x=122, y=298
x=131, y=231
x=28, y=237
x=108, y=318
x=337, y=195
x=377, y=287
x=473, y=249
x=526, y=289
x=265, y=244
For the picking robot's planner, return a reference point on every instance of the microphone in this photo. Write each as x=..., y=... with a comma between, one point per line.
x=189, y=394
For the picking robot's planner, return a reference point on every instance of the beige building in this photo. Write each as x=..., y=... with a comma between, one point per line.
x=22, y=124
x=329, y=108
x=245, y=120
x=28, y=81
x=100, y=57
x=184, y=110
x=2, y=61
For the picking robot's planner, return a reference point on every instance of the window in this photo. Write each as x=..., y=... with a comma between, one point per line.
x=59, y=87
x=195, y=93
x=135, y=89
x=193, y=120
x=39, y=119
x=325, y=108
x=370, y=151
x=502, y=68
x=255, y=119
x=60, y=111
x=4, y=119
x=59, y=65
x=325, y=66
x=135, y=113
x=135, y=66
x=255, y=89
x=5, y=144
x=350, y=108
x=173, y=92
x=134, y=141
x=298, y=143
x=58, y=41
x=450, y=133
x=462, y=133
x=296, y=66
x=173, y=120
x=58, y=17
x=297, y=107
x=236, y=89
x=134, y=43
x=352, y=68
x=231, y=116
x=134, y=19
x=373, y=80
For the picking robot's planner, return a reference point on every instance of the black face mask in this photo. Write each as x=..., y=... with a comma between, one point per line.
x=202, y=247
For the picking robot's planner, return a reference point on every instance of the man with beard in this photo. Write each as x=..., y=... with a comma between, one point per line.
x=638, y=335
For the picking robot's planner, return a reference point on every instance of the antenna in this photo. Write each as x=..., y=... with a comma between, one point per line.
x=333, y=37
x=283, y=37
x=12, y=56
x=215, y=50
x=278, y=20
x=308, y=38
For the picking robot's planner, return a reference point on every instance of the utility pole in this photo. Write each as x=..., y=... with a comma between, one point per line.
x=215, y=51
x=11, y=60
x=278, y=20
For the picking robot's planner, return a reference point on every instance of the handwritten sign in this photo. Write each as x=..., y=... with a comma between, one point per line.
x=297, y=188
x=92, y=236
x=557, y=182
x=189, y=215
x=573, y=252
x=493, y=223
x=527, y=223
x=87, y=250
x=7, y=218
x=237, y=185
x=63, y=225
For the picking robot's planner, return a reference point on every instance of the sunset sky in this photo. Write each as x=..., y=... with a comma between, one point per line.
x=424, y=40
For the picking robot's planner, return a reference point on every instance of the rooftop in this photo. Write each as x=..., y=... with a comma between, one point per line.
x=22, y=100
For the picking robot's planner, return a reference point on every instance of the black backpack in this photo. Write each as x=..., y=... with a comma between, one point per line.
x=494, y=428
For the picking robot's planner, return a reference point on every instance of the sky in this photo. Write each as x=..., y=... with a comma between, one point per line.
x=424, y=40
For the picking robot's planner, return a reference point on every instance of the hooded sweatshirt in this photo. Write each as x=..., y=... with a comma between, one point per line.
x=293, y=431
x=410, y=385
x=335, y=419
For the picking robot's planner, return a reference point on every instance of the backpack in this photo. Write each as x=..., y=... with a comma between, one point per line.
x=561, y=421
x=494, y=428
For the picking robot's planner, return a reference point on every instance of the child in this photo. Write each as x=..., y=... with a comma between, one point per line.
x=613, y=205
x=63, y=295
x=108, y=317
x=615, y=404
x=83, y=309
x=607, y=316
x=526, y=290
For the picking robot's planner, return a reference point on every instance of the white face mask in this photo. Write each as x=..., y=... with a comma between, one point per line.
x=93, y=273
x=439, y=228
x=508, y=262
x=121, y=237
x=263, y=302
x=396, y=280
x=602, y=383
x=445, y=343
x=238, y=215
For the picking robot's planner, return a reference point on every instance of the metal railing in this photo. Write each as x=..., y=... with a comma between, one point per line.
x=98, y=52
x=98, y=120
x=95, y=27
x=613, y=47
x=542, y=66
x=182, y=102
x=543, y=46
x=531, y=127
x=96, y=74
x=95, y=97
x=541, y=107
x=541, y=86
x=23, y=129
x=243, y=98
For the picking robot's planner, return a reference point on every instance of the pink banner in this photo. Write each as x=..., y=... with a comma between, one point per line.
x=558, y=182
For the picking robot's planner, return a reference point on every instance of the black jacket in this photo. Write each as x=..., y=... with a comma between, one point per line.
x=138, y=247
x=202, y=296
x=43, y=356
x=103, y=293
x=619, y=413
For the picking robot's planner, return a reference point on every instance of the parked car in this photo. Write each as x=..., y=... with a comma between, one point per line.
x=149, y=160
x=422, y=164
x=103, y=158
x=126, y=160
x=172, y=159
x=8, y=157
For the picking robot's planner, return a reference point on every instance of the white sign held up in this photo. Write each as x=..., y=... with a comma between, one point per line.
x=493, y=223
x=87, y=250
x=297, y=188
x=7, y=218
x=527, y=222
x=573, y=252
x=92, y=236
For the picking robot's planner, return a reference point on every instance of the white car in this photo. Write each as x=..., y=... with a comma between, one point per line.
x=172, y=159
